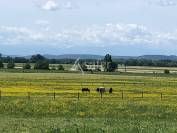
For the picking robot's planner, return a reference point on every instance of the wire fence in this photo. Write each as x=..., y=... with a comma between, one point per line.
x=119, y=95
x=96, y=83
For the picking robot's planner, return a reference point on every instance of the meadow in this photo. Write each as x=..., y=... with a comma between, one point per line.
x=48, y=102
x=121, y=68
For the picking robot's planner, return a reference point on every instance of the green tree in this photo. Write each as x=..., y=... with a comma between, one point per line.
x=112, y=66
x=27, y=66
x=41, y=65
x=107, y=60
x=36, y=58
x=60, y=67
x=166, y=71
x=1, y=64
x=84, y=67
x=53, y=68
x=10, y=65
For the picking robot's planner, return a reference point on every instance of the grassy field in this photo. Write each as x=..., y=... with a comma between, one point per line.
x=128, y=69
x=148, y=104
x=144, y=69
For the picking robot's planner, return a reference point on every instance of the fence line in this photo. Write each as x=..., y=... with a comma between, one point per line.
x=92, y=83
x=121, y=95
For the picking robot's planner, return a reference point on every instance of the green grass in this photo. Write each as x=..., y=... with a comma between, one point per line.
x=37, y=115
x=90, y=114
x=129, y=69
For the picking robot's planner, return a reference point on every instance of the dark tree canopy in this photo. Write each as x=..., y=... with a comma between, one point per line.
x=20, y=60
x=11, y=65
x=166, y=71
x=41, y=65
x=112, y=67
x=27, y=66
x=1, y=64
x=107, y=60
x=60, y=67
x=84, y=67
x=36, y=58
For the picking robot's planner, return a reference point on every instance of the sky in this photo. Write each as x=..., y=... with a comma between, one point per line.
x=118, y=27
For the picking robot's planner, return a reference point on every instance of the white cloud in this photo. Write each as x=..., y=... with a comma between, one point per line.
x=96, y=36
x=163, y=2
x=16, y=35
x=50, y=5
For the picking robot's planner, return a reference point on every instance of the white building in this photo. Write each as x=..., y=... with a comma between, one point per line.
x=95, y=66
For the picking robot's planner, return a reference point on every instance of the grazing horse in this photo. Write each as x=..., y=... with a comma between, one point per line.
x=110, y=91
x=101, y=90
x=86, y=90
x=98, y=89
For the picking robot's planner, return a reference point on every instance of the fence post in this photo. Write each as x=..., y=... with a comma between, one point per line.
x=77, y=130
x=101, y=95
x=122, y=95
x=54, y=95
x=78, y=96
x=0, y=94
x=142, y=94
x=28, y=95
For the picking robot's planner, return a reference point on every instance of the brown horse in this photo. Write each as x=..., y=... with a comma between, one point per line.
x=86, y=90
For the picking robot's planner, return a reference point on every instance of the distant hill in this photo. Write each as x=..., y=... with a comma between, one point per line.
x=74, y=56
x=124, y=57
x=158, y=57
x=89, y=56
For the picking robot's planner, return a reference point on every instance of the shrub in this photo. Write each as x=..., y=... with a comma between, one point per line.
x=166, y=71
x=1, y=64
x=60, y=67
x=41, y=65
x=11, y=65
x=36, y=58
x=112, y=67
x=27, y=66
x=84, y=67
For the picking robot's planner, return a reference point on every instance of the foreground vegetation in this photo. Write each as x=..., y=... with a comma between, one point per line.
x=63, y=115
x=42, y=113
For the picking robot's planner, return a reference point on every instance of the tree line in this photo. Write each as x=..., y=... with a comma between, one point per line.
x=40, y=62
x=145, y=62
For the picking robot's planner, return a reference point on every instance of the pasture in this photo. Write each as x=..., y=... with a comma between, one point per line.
x=129, y=69
x=48, y=102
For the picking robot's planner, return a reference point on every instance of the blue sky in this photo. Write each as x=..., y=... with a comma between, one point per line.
x=118, y=27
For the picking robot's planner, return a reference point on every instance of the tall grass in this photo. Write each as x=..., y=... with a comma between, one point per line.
x=149, y=114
